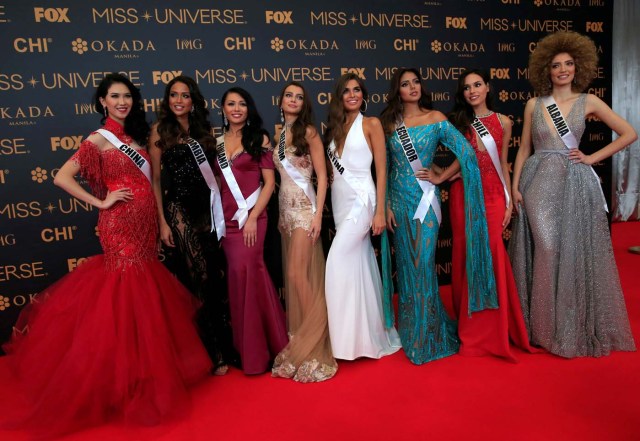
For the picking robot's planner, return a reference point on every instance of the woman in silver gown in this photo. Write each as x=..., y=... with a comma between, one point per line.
x=561, y=249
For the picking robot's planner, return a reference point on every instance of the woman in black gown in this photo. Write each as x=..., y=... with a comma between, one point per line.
x=185, y=216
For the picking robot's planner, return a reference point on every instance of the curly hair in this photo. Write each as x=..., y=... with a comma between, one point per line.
x=252, y=132
x=305, y=119
x=581, y=48
x=462, y=113
x=336, y=116
x=169, y=128
x=392, y=113
x=135, y=124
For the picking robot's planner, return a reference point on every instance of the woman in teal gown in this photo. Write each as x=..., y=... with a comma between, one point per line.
x=413, y=215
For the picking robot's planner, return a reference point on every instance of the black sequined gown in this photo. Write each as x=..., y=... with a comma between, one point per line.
x=197, y=259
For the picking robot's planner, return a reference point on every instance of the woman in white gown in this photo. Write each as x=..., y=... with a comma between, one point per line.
x=352, y=279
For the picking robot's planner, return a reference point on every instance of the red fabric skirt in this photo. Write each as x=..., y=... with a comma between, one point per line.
x=486, y=332
x=103, y=345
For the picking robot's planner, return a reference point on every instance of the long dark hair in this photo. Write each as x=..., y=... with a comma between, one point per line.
x=462, y=114
x=252, y=133
x=135, y=124
x=169, y=128
x=305, y=119
x=336, y=116
x=392, y=113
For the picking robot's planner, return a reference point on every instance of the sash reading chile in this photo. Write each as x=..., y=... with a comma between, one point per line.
x=492, y=150
x=429, y=198
x=567, y=136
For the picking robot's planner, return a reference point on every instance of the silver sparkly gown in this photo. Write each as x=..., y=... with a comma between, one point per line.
x=561, y=250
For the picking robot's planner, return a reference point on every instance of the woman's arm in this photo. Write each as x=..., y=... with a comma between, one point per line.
x=250, y=229
x=320, y=168
x=156, y=154
x=626, y=133
x=504, y=163
x=375, y=137
x=65, y=179
x=523, y=153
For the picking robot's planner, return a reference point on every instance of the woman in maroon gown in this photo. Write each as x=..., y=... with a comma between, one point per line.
x=486, y=332
x=115, y=338
x=247, y=180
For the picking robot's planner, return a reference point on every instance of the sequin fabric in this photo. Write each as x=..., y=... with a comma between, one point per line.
x=426, y=331
x=561, y=250
x=128, y=230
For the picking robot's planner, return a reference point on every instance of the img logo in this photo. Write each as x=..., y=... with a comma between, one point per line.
x=52, y=15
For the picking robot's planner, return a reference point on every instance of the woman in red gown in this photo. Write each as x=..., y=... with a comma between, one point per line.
x=488, y=332
x=247, y=180
x=114, y=339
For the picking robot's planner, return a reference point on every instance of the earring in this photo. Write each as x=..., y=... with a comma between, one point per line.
x=281, y=115
x=106, y=112
x=248, y=122
x=193, y=109
x=365, y=107
x=225, y=123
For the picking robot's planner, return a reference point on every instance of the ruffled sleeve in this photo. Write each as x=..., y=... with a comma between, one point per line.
x=90, y=162
x=482, y=284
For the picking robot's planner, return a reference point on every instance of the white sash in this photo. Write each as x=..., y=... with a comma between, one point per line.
x=355, y=184
x=215, y=203
x=294, y=174
x=429, y=198
x=131, y=153
x=242, y=214
x=492, y=149
x=566, y=135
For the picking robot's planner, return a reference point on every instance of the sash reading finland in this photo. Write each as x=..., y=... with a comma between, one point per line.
x=129, y=151
x=566, y=135
x=294, y=174
x=244, y=205
x=215, y=203
x=429, y=197
x=492, y=149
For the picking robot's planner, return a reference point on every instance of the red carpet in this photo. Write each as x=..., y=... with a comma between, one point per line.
x=541, y=398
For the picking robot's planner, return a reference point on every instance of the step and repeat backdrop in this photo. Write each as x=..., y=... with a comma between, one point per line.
x=54, y=54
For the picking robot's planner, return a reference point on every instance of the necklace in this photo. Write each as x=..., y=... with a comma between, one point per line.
x=485, y=115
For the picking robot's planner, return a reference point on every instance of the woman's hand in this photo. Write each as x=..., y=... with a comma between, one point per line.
x=123, y=194
x=577, y=157
x=250, y=232
x=391, y=220
x=166, y=236
x=517, y=200
x=425, y=174
x=507, y=216
x=316, y=226
x=378, y=224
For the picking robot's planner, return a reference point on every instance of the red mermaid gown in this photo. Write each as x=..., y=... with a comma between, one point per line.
x=486, y=332
x=114, y=339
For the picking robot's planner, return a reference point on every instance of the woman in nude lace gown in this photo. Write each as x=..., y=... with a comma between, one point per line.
x=298, y=155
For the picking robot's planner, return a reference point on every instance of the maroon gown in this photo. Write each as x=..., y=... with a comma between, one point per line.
x=486, y=332
x=115, y=338
x=257, y=317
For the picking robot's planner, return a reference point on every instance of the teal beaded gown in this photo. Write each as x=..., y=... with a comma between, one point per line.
x=426, y=331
